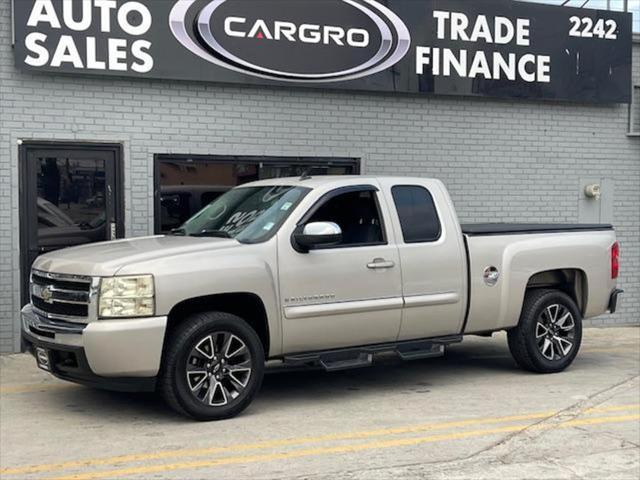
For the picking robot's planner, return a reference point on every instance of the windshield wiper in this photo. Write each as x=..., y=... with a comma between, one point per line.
x=212, y=233
x=178, y=231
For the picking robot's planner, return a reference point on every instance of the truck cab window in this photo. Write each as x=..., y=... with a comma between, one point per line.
x=357, y=215
x=417, y=212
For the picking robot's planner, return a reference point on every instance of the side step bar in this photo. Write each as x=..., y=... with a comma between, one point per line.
x=357, y=357
x=332, y=363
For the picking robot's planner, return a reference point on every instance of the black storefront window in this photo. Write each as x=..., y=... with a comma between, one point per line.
x=185, y=184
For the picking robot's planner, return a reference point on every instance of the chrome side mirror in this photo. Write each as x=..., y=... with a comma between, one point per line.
x=317, y=234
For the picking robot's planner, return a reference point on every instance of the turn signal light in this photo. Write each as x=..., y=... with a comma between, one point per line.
x=615, y=260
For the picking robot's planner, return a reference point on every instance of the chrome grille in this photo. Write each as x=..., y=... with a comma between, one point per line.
x=60, y=296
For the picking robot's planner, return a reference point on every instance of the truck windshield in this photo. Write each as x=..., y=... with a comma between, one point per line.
x=248, y=214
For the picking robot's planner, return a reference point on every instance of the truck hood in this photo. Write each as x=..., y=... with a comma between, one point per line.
x=106, y=258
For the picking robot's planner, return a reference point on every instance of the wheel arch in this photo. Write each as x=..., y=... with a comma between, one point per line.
x=572, y=281
x=245, y=305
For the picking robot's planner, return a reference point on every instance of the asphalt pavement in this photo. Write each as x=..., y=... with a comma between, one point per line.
x=471, y=414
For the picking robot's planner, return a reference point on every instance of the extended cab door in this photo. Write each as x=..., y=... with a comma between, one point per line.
x=432, y=258
x=348, y=294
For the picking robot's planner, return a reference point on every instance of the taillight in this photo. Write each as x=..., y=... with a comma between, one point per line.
x=615, y=260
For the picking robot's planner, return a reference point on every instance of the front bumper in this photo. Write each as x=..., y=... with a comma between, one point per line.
x=109, y=353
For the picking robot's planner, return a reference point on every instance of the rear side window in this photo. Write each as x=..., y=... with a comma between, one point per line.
x=418, y=216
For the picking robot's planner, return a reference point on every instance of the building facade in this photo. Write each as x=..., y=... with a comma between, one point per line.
x=66, y=140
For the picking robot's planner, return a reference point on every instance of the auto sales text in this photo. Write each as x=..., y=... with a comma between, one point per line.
x=69, y=42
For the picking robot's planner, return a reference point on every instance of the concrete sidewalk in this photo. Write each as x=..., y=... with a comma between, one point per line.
x=471, y=414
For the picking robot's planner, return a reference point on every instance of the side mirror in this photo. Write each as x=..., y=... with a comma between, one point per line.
x=316, y=234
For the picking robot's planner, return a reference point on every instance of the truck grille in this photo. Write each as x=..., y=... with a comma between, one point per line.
x=60, y=296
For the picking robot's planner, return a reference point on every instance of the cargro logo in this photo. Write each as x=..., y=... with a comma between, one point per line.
x=292, y=40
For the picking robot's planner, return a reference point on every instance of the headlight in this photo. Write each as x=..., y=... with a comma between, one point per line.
x=130, y=296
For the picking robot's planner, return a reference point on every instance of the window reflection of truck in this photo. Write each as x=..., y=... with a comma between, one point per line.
x=57, y=230
x=178, y=203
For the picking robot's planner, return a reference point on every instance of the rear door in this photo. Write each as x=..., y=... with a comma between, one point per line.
x=431, y=256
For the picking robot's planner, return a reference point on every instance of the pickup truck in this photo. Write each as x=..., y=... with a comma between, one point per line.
x=311, y=271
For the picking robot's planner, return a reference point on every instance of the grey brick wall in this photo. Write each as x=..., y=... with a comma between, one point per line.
x=502, y=160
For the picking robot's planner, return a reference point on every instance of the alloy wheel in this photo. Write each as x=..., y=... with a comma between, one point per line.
x=555, y=332
x=218, y=369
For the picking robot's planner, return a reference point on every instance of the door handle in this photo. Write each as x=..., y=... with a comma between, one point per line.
x=380, y=263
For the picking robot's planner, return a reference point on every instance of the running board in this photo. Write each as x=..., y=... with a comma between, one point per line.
x=347, y=358
x=419, y=350
x=331, y=363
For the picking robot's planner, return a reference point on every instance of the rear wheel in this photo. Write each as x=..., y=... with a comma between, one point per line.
x=213, y=366
x=549, y=333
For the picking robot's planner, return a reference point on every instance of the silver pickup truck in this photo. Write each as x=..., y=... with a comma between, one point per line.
x=324, y=271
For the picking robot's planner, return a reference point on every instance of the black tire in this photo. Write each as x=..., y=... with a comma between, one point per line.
x=181, y=345
x=531, y=351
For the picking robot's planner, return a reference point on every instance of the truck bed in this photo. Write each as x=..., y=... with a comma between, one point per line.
x=474, y=229
x=518, y=251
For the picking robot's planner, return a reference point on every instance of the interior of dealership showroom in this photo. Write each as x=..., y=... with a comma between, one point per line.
x=116, y=126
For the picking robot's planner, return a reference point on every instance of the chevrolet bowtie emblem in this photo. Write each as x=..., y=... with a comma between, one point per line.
x=46, y=294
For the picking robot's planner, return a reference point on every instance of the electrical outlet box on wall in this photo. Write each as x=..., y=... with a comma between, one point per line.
x=592, y=209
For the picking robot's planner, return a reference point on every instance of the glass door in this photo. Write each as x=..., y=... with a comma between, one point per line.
x=68, y=199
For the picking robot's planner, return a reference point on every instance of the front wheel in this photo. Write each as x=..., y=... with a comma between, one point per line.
x=213, y=366
x=549, y=333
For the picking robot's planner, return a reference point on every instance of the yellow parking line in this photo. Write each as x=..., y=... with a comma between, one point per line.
x=611, y=350
x=612, y=408
x=35, y=387
x=382, y=444
x=181, y=453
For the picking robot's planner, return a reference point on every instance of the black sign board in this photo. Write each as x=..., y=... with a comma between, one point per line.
x=499, y=48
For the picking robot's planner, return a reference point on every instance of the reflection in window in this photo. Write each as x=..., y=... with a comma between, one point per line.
x=199, y=181
x=71, y=201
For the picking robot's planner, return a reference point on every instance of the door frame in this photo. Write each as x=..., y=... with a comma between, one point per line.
x=353, y=162
x=23, y=183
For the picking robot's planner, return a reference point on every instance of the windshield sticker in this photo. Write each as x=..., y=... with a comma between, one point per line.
x=239, y=220
x=268, y=226
x=286, y=206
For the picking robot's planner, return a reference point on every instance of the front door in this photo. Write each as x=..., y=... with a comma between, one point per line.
x=68, y=198
x=348, y=294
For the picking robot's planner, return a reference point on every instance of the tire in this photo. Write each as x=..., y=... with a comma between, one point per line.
x=211, y=347
x=549, y=333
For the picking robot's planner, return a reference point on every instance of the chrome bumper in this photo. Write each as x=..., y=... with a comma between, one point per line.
x=113, y=348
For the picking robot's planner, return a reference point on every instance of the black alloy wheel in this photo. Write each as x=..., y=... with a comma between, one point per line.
x=548, y=335
x=213, y=366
